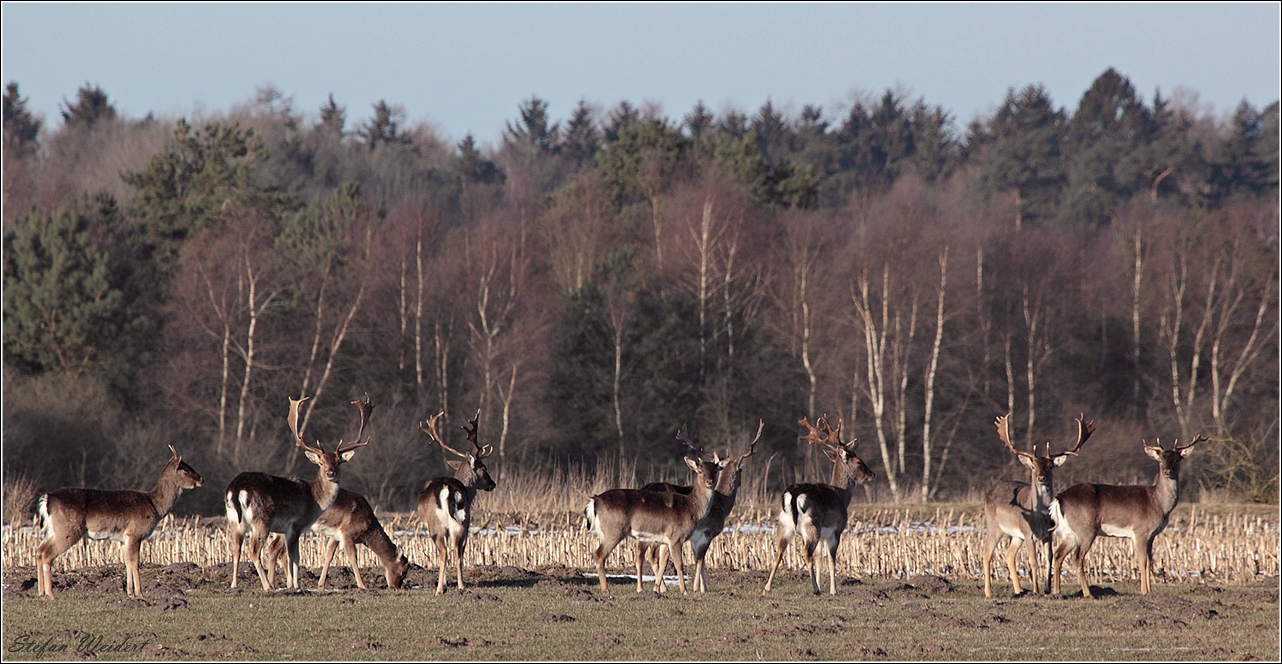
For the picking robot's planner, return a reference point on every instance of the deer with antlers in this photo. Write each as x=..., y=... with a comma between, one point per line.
x=259, y=504
x=1138, y=512
x=819, y=511
x=665, y=518
x=711, y=525
x=1021, y=510
x=445, y=503
x=349, y=521
x=128, y=517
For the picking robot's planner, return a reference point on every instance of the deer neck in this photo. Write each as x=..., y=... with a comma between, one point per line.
x=1042, y=494
x=164, y=495
x=324, y=492
x=1165, y=492
x=702, y=496
x=844, y=481
x=378, y=542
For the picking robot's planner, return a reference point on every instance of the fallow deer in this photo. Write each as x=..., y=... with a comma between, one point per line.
x=128, y=517
x=445, y=503
x=710, y=526
x=651, y=516
x=349, y=521
x=259, y=504
x=1138, y=512
x=818, y=512
x=1022, y=509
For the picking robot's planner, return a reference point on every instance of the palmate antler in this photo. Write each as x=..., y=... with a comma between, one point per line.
x=366, y=407
x=823, y=434
x=1084, y=431
x=429, y=428
x=293, y=425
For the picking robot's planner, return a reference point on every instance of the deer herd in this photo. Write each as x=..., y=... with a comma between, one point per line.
x=275, y=511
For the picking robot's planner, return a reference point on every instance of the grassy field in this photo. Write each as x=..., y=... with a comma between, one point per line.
x=559, y=614
x=909, y=589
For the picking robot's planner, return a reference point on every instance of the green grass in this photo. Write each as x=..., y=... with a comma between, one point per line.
x=557, y=614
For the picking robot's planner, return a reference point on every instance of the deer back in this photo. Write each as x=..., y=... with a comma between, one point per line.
x=279, y=503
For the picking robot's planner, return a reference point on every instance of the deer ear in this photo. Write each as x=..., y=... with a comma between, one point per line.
x=176, y=455
x=347, y=456
x=1153, y=453
x=455, y=464
x=1186, y=451
x=1027, y=461
x=835, y=455
x=694, y=465
x=313, y=457
x=1059, y=459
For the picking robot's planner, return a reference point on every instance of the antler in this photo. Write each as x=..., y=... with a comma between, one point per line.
x=293, y=425
x=366, y=407
x=481, y=452
x=752, y=447
x=1084, y=431
x=1003, y=432
x=1196, y=440
x=1176, y=445
x=429, y=428
x=817, y=437
x=684, y=436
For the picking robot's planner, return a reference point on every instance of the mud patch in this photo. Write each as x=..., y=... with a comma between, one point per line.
x=554, y=618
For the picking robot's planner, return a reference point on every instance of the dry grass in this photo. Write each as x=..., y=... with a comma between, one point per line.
x=1226, y=544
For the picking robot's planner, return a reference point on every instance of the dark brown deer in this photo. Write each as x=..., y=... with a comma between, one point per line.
x=1138, y=512
x=445, y=503
x=1022, y=509
x=818, y=512
x=665, y=518
x=710, y=526
x=349, y=521
x=259, y=504
x=128, y=517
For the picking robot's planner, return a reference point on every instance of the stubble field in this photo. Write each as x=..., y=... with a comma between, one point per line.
x=908, y=589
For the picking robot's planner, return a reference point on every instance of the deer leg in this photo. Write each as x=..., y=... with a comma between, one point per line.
x=602, y=552
x=642, y=552
x=991, y=535
x=131, y=546
x=349, y=547
x=659, y=570
x=781, y=546
x=459, y=545
x=52, y=547
x=1145, y=555
x=330, y=548
x=1012, y=552
x=441, y=553
x=1030, y=544
x=1079, y=558
x=236, y=538
x=677, y=555
x=295, y=561
x=833, y=543
x=255, y=552
x=810, y=546
x=700, y=551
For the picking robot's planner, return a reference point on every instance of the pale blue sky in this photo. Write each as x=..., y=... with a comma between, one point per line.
x=466, y=67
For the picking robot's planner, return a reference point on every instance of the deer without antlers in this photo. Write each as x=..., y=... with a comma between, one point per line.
x=128, y=517
x=1139, y=512
x=349, y=521
x=445, y=503
x=261, y=504
x=1022, y=509
x=651, y=516
x=819, y=511
x=711, y=525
